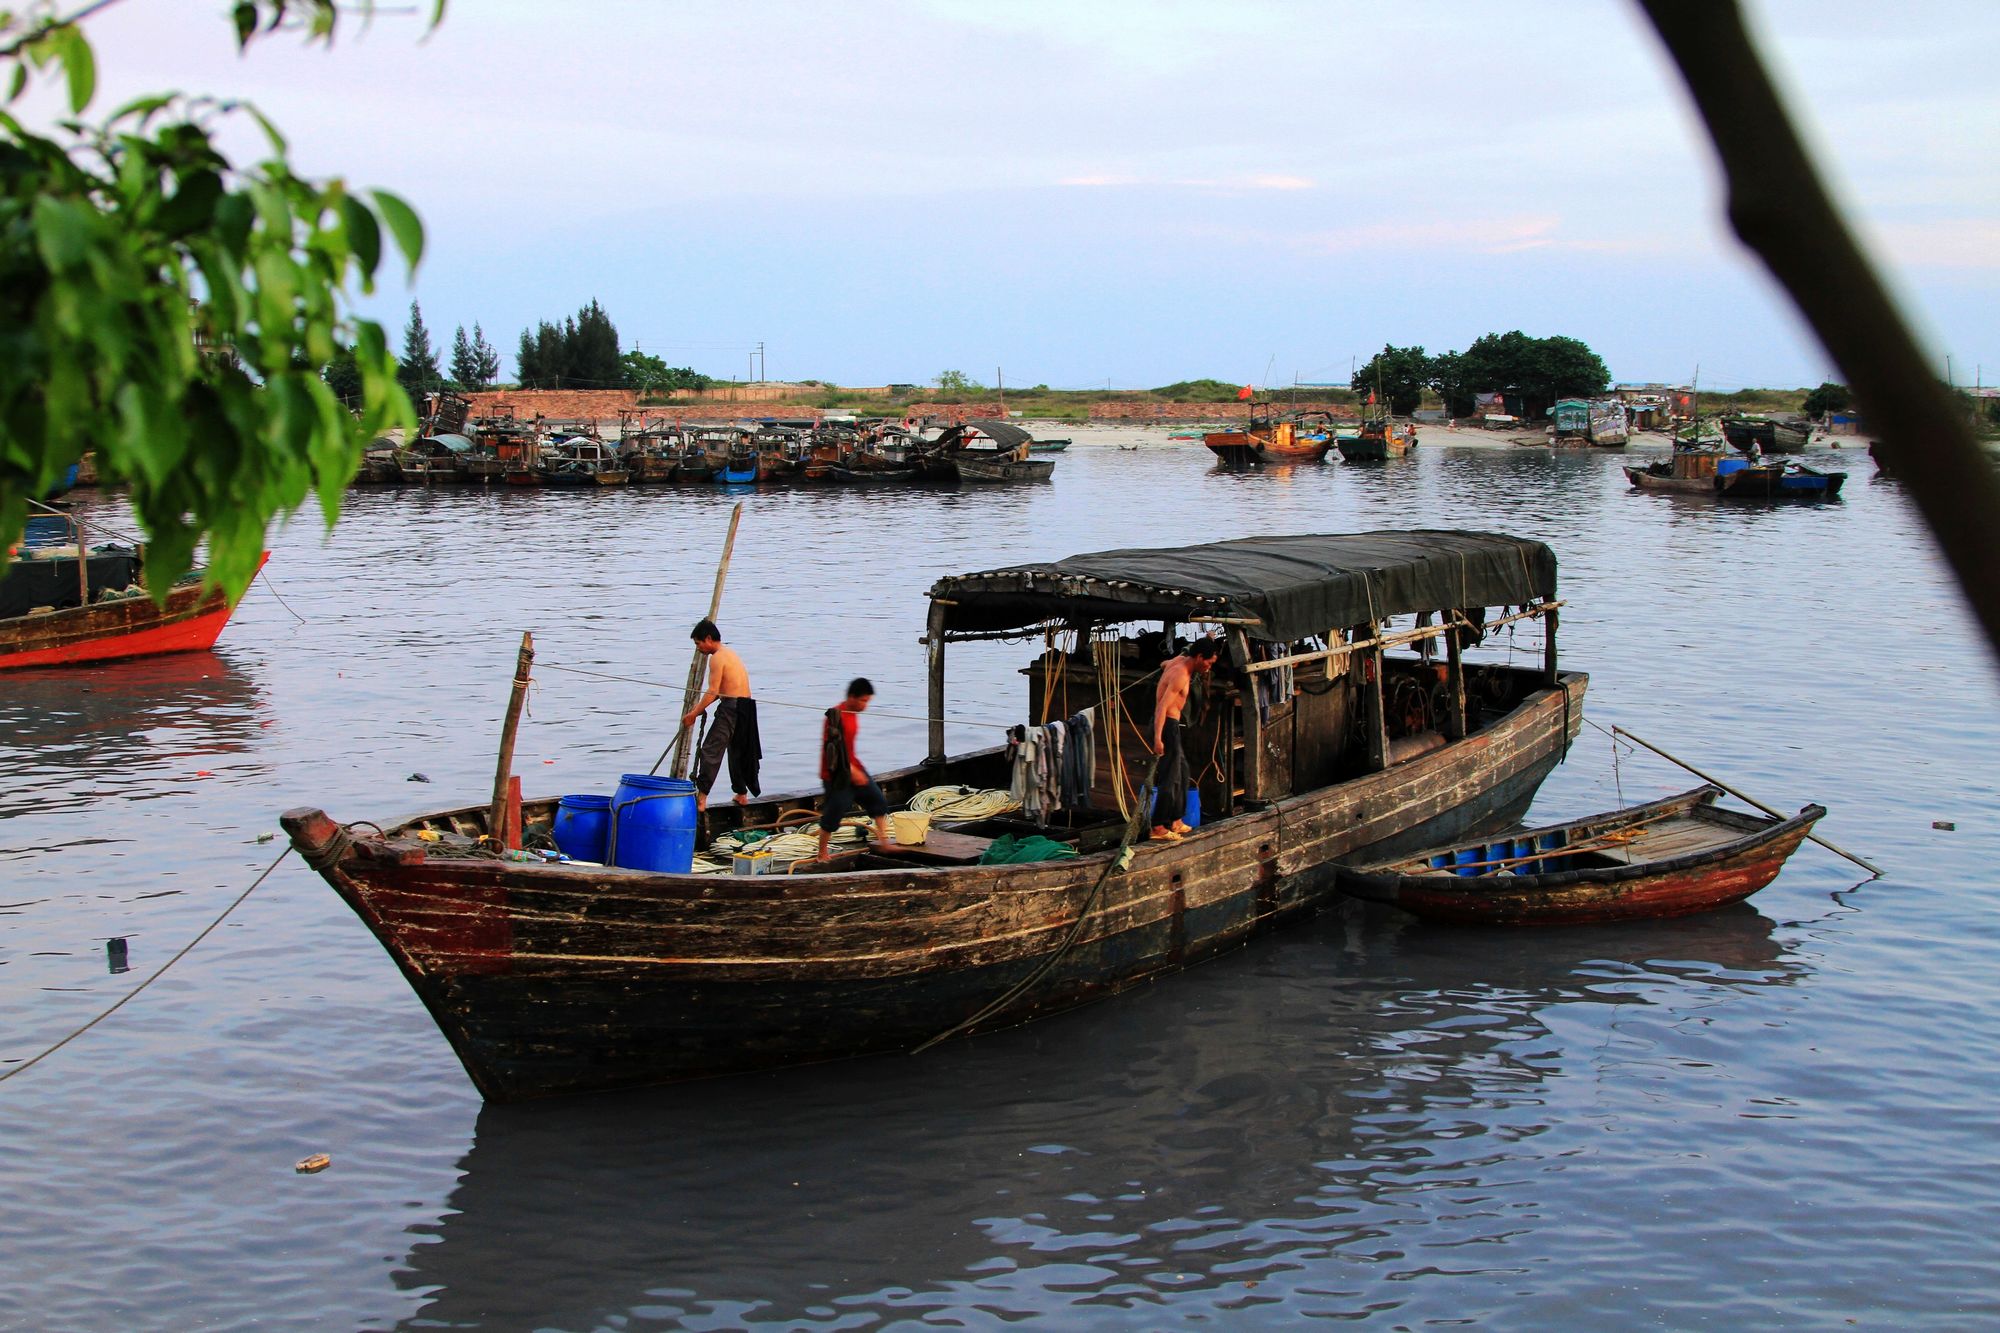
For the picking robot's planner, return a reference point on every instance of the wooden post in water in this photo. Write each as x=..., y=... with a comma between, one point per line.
x=496, y=814
x=691, y=692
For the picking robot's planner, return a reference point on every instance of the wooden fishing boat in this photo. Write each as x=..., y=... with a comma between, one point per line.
x=1377, y=441
x=978, y=466
x=62, y=608
x=1781, y=435
x=1785, y=480
x=1301, y=437
x=1047, y=446
x=1712, y=472
x=554, y=978
x=853, y=476
x=1672, y=857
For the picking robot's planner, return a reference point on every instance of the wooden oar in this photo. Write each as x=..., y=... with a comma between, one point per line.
x=1747, y=800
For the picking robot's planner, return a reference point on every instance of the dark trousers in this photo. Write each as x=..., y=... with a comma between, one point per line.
x=1171, y=779
x=708, y=764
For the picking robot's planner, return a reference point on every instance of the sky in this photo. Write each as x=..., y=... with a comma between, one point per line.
x=1113, y=194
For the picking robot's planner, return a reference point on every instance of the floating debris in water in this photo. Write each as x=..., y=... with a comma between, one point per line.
x=319, y=1161
x=115, y=955
x=418, y=777
x=1944, y=824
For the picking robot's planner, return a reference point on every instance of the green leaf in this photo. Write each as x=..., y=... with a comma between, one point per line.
x=403, y=225
x=278, y=144
x=246, y=22
x=363, y=236
x=80, y=67
x=62, y=233
x=192, y=205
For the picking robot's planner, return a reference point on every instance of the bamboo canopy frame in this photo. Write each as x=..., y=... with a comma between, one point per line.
x=1780, y=208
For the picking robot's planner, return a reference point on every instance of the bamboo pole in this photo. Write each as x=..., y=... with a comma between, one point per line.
x=1747, y=800
x=692, y=691
x=1397, y=638
x=496, y=815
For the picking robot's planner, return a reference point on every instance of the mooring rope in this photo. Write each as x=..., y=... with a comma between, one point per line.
x=130, y=994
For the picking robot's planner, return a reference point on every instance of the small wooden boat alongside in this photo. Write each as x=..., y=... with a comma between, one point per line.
x=63, y=606
x=1668, y=858
x=1047, y=446
x=555, y=978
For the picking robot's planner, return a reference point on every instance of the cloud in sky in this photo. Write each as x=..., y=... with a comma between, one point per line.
x=1083, y=175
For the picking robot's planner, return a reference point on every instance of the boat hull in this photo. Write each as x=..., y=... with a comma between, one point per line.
x=1668, y=887
x=561, y=979
x=989, y=471
x=190, y=622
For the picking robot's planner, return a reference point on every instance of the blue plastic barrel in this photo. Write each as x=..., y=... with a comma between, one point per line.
x=1193, y=816
x=652, y=824
x=582, y=825
x=1725, y=466
x=1464, y=858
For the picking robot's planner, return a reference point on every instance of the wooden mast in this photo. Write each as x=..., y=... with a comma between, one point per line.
x=684, y=741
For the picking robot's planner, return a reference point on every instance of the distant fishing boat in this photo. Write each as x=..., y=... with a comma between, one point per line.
x=1712, y=472
x=1377, y=441
x=1274, y=441
x=1047, y=446
x=1782, y=435
x=1667, y=858
x=63, y=606
x=1608, y=429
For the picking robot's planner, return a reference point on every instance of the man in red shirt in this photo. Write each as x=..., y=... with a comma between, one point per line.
x=842, y=779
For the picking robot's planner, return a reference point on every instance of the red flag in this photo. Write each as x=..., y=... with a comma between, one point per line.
x=1245, y=394
x=1371, y=398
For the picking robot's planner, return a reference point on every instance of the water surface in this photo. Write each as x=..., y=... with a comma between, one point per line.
x=1776, y=1115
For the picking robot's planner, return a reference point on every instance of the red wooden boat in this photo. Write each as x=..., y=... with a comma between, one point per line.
x=45, y=619
x=1668, y=858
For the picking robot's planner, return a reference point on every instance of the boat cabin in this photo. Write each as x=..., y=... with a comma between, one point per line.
x=1340, y=655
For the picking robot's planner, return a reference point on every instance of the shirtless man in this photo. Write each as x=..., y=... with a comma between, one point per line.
x=734, y=731
x=1170, y=779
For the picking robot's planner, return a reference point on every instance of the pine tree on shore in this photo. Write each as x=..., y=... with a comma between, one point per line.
x=464, y=361
x=488, y=360
x=417, y=371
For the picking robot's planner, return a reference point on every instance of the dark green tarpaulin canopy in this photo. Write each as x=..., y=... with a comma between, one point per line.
x=1292, y=586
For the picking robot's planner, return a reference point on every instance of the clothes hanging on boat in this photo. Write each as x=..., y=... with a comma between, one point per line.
x=1079, y=761
x=1025, y=746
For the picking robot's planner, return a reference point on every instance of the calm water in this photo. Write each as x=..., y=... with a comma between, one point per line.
x=1779, y=1115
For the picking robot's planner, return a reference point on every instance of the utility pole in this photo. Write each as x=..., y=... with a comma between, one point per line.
x=763, y=366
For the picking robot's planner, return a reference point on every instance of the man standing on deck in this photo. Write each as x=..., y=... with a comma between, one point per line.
x=1170, y=777
x=842, y=779
x=734, y=731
